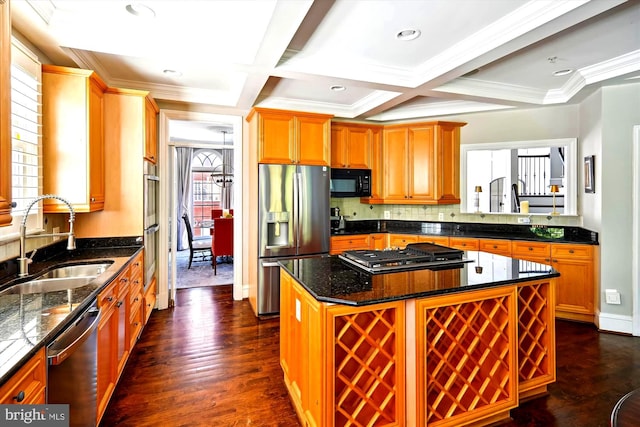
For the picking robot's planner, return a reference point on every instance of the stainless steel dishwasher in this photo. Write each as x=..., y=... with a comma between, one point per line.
x=73, y=369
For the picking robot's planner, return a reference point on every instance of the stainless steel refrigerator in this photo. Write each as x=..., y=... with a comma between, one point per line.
x=293, y=220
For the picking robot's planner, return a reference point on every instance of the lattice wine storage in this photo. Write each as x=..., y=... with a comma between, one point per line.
x=469, y=356
x=369, y=367
x=536, y=339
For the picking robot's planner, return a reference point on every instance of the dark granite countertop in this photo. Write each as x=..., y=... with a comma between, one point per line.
x=30, y=321
x=331, y=280
x=546, y=233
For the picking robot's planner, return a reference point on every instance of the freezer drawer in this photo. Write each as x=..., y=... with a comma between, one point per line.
x=268, y=287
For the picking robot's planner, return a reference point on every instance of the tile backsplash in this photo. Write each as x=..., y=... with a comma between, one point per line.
x=352, y=209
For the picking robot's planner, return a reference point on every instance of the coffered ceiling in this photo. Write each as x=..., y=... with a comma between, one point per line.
x=471, y=55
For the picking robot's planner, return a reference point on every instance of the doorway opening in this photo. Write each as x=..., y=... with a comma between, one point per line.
x=200, y=158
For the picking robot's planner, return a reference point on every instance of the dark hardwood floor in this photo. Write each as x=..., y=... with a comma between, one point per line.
x=210, y=362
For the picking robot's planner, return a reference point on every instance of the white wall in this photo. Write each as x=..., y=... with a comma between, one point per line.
x=620, y=112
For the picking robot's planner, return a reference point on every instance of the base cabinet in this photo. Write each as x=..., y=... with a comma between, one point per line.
x=28, y=385
x=120, y=325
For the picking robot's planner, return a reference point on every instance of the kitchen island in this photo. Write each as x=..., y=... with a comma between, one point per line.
x=450, y=346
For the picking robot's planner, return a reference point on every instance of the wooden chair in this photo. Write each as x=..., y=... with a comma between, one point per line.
x=222, y=239
x=199, y=246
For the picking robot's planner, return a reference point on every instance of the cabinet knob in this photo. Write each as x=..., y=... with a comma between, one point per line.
x=119, y=304
x=109, y=299
x=570, y=251
x=136, y=299
x=495, y=246
x=93, y=199
x=530, y=248
x=19, y=397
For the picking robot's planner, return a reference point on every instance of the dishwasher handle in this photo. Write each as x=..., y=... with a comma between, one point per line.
x=74, y=336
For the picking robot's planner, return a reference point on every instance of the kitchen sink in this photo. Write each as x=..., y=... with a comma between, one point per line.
x=76, y=271
x=38, y=286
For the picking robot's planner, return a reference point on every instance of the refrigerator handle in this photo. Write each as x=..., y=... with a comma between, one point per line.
x=296, y=209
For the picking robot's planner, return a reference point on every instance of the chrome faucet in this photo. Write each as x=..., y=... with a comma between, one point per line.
x=23, y=261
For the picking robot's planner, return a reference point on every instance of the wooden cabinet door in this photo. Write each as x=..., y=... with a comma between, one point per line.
x=446, y=163
x=351, y=146
x=276, y=138
x=96, y=146
x=378, y=241
x=339, y=147
x=420, y=176
x=394, y=155
x=149, y=301
x=359, y=148
x=5, y=115
x=312, y=140
x=107, y=337
x=575, y=288
x=73, y=138
x=151, y=130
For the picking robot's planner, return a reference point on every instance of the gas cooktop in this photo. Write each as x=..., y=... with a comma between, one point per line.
x=414, y=256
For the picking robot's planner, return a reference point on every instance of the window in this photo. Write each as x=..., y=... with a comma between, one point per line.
x=206, y=195
x=26, y=136
x=529, y=166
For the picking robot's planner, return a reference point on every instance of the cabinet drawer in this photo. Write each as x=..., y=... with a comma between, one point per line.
x=136, y=321
x=496, y=246
x=340, y=244
x=402, y=240
x=530, y=250
x=572, y=251
x=465, y=244
x=108, y=296
x=27, y=386
x=436, y=240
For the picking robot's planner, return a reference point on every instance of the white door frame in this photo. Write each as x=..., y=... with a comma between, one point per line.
x=168, y=232
x=635, y=219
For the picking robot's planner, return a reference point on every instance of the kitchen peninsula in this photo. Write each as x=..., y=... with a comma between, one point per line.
x=444, y=346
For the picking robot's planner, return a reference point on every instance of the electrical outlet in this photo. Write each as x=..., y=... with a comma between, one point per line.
x=524, y=220
x=612, y=296
x=387, y=214
x=441, y=216
x=56, y=230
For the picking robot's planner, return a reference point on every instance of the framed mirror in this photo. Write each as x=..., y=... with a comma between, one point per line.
x=516, y=177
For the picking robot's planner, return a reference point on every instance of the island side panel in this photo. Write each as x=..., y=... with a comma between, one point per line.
x=466, y=357
x=366, y=381
x=536, y=337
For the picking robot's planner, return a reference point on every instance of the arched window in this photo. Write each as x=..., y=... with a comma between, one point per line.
x=206, y=194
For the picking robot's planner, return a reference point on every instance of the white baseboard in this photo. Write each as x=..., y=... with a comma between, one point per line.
x=615, y=323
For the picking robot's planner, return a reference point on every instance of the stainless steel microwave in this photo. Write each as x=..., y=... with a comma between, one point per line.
x=350, y=182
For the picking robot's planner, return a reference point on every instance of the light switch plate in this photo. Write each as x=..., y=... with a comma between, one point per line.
x=387, y=214
x=612, y=296
x=441, y=216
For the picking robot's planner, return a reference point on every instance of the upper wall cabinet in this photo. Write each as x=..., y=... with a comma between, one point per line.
x=151, y=130
x=292, y=137
x=421, y=163
x=73, y=138
x=5, y=114
x=352, y=145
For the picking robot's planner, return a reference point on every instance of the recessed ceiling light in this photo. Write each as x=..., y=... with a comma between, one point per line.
x=406, y=35
x=140, y=10
x=337, y=88
x=563, y=72
x=172, y=73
